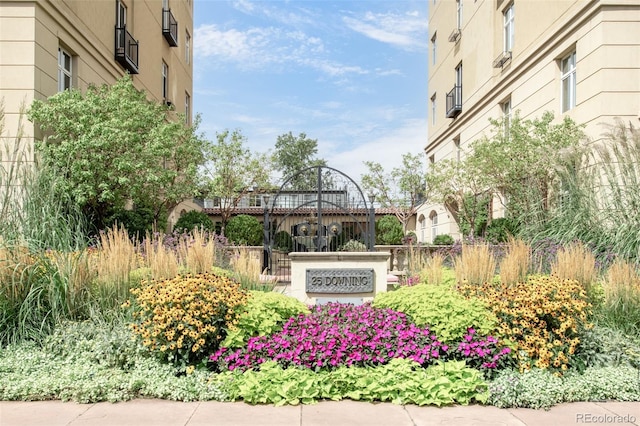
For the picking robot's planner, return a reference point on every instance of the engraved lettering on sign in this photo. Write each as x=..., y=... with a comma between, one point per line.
x=353, y=280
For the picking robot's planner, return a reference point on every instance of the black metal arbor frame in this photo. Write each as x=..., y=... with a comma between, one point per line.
x=317, y=209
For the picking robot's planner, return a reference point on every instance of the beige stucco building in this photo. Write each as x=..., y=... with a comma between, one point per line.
x=50, y=45
x=490, y=58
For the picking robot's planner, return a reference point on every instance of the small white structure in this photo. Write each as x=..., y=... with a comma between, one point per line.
x=352, y=277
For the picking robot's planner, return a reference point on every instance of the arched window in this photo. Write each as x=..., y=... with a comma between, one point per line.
x=423, y=228
x=434, y=225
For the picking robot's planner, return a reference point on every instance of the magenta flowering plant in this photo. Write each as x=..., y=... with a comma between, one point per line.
x=335, y=335
x=482, y=352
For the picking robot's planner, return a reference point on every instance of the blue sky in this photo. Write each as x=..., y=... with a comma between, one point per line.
x=351, y=74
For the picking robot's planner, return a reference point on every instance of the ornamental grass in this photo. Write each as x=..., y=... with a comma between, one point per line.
x=514, y=266
x=621, y=307
x=576, y=262
x=476, y=264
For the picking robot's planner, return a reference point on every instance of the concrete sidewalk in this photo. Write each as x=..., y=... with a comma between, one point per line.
x=144, y=412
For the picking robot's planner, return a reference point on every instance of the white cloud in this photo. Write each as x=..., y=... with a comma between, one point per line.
x=408, y=31
x=387, y=149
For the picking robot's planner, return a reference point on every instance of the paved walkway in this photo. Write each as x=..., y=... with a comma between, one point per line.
x=144, y=412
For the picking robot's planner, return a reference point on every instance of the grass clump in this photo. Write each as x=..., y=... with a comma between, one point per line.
x=576, y=262
x=621, y=307
x=514, y=267
x=475, y=265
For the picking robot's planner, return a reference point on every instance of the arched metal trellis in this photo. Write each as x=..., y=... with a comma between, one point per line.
x=318, y=209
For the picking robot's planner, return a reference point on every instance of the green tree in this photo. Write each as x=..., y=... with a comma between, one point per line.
x=112, y=145
x=232, y=172
x=293, y=154
x=401, y=190
x=389, y=230
x=194, y=220
x=245, y=230
x=521, y=161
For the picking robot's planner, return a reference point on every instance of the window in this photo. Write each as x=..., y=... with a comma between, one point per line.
x=122, y=15
x=506, y=116
x=434, y=225
x=423, y=228
x=456, y=148
x=433, y=109
x=187, y=48
x=459, y=14
x=568, y=77
x=65, y=70
x=187, y=108
x=508, y=29
x=165, y=82
x=433, y=49
x=255, y=200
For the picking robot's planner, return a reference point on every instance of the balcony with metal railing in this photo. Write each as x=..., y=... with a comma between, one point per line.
x=454, y=101
x=169, y=27
x=126, y=50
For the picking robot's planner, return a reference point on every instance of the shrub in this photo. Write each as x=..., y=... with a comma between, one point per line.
x=194, y=220
x=334, y=335
x=444, y=311
x=263, y=315
x=603, y=346
x=185, y=318
x=388, y=230
x=282, y=241
x=443, y=240
x=244, y=230
x=475, y=265
x=353, y=245
x=543, y=316
x=500, y=230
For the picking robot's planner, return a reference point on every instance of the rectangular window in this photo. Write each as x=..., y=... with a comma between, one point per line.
x=508, y=29
x=122, y=15
x=433, y=109
x=506, y=115
x=433, y=48
x=165, y=82
x=459, y=14
x=65, y=70
x=255, y=200
x=187, y=48
x=187, y=108
x=459, y=82
x=456, y=147
x=568, y=79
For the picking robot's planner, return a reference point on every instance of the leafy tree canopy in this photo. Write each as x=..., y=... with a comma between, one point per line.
x=293, y=154
x=112, y=145
x=232, y=172
x=402, y=189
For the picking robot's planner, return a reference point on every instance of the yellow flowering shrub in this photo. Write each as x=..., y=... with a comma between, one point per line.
x=185, y=318
x=543, y=316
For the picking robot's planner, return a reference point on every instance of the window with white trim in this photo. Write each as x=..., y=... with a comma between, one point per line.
x=433, y=48
x=456, y=147
x=459, y=14
x=568, y=81
x=65, y=70
x=165, y=81
x=434, y=225
x=187, y=47
x=506, y=115
x=187, y=108
x=509, y=34
x=433, y=109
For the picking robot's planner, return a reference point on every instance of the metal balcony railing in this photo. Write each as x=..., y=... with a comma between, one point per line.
x=454, y=101
x=126, y=50
x=169, y=27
